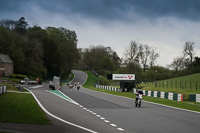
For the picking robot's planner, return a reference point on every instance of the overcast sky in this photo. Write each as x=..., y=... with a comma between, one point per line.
x=163, y=24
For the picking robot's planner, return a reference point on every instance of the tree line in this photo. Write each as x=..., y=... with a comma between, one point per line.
x=38, y=52
x=187, y=63
x=139, y=59
x=53, y=51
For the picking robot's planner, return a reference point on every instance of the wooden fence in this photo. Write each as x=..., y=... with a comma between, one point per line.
x=192, y=85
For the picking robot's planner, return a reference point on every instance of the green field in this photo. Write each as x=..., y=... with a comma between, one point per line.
x=12, y=88
x=184, y=104
x=91, y=81
x=21, y=108
x=184, y=85
x=189, y=82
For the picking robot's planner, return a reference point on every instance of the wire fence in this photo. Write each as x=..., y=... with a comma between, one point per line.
x=192, y=85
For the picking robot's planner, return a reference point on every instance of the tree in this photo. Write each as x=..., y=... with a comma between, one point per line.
x=144, y=55
x=7, y=23
x=21, y=25
x=116, y=60
x=177, y=63
x=61, y=52
x=106, y=64
x=196, y=61
x=36, y=51
x=153, y=56
x=132, y=53
x=11, y=43
x=189, y=51
x=94, y=54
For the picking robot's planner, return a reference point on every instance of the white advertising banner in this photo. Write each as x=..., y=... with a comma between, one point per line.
x=123, y=76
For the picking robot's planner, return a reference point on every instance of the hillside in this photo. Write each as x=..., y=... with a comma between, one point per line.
x=186, y=85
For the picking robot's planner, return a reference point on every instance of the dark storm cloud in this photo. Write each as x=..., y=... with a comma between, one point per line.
x=109, y=9
x=11, y=6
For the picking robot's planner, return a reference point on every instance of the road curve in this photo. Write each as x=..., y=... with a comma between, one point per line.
x=104, y=113
x=121, y=112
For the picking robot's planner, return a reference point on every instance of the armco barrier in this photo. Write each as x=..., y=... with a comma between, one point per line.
x=107, y=88
x=166, y=95
x=194, y=97
x=3, y=90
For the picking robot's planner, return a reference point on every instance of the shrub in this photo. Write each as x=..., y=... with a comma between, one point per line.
x=103, y=81
x=18, y=76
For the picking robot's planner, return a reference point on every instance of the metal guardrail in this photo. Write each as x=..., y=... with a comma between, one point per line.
x=3, y=90
x=92, y=70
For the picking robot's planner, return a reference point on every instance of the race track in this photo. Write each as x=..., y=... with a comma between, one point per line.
x=85, y=111
x=120, y=111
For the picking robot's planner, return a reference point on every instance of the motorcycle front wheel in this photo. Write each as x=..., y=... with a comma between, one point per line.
x=136, y=103
x=139, y=104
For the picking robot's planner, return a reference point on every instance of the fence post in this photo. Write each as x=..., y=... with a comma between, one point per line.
x=171, y=84
x=185, y=84
x=167, y=84
x=163, y=84
x=196, y=85
x=176, y=84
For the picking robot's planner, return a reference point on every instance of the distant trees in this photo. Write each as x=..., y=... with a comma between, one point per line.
x=144, y=55
x=177, y=64
x=102, y=59
x=189, y=51
x=186, y=63
x=38, y=52
x=140, y=54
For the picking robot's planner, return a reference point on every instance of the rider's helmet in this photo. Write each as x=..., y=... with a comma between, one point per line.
x=140, y=91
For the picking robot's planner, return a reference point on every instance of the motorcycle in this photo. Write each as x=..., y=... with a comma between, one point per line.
x=138, y=100
x=78, y=87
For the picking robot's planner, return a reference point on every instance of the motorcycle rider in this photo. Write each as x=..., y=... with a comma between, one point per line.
x=137, y=94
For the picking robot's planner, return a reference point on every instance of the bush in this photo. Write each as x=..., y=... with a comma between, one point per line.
x=18, y=76
x=103, y=72
x=103, y=81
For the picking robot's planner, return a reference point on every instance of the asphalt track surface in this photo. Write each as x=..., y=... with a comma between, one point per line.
x=151, y=118
x=104, y=113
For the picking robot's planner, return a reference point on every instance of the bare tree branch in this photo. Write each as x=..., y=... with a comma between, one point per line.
x=189, y=51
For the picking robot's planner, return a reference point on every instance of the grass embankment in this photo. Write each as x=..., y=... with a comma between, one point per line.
x=11, y=79
x=91, y=80
x=184, y=85
x=21, y=108
x=12, y=88
x=184, y=104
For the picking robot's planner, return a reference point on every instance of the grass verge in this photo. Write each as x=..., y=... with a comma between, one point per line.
x=10, y=87
x=186, y=92
x=21, y=108
x=194, y=106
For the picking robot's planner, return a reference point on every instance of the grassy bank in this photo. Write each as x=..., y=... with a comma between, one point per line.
x=91, y=81
x=189, y=83
x=10, y=87
x=21, y=108
x=186, y=85
x=184, y=104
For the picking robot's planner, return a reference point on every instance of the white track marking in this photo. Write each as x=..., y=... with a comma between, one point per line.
x=38, y=86
x=120, y=129
x=107, y=121
x=147, y=102
x=67, y=122
x=113, y=125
